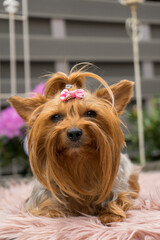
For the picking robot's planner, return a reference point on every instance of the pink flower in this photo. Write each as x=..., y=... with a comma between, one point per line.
x=11, y=122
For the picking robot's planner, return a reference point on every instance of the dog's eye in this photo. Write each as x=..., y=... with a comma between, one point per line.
x=91, y=114
x=56, y=118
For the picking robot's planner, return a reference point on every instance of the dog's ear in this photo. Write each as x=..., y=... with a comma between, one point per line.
x=122, y=93
x=26, y=106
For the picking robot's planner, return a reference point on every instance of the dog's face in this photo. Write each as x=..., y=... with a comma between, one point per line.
x=74, y=145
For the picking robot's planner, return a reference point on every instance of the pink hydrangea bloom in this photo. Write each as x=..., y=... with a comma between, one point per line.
x=11, y=122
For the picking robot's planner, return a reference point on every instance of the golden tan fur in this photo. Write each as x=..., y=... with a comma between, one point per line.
x=80, y=178
x=134, y=185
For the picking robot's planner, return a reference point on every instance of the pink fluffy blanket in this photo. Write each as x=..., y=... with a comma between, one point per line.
x=143, y=222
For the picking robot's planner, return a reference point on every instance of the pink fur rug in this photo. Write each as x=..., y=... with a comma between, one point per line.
x=143, y=222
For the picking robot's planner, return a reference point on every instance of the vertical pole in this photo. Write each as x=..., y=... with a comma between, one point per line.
x=13, y=75
x=12, y=43
x=138, y=83
x=26, y=46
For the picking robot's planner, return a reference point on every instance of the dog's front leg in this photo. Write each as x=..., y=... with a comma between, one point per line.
x=114, y=211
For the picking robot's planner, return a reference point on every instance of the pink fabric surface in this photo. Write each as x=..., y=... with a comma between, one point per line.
x=142, y=222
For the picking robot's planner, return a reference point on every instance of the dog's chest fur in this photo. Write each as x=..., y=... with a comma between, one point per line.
x=121, y=184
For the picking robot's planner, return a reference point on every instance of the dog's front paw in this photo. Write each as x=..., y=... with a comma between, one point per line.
x=45, y=212
x=110, y=217
x=55, y=213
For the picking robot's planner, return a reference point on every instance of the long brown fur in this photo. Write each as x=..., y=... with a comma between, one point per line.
x=79, y=178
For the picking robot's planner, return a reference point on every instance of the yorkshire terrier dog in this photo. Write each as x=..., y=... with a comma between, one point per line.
x=74, y=143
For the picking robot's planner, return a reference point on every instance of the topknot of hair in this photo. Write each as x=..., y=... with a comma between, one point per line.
x=76, y=78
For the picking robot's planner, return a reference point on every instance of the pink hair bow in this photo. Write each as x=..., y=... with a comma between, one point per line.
x=66, y=95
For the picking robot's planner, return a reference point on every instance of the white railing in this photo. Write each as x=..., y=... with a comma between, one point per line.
x=11, y=7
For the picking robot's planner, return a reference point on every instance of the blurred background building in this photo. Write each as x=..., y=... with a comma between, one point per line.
x=65, y=32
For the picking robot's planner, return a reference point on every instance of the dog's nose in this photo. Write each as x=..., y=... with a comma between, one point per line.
x=74, y=134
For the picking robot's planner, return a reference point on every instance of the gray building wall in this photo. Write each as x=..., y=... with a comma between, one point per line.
x=65, y=32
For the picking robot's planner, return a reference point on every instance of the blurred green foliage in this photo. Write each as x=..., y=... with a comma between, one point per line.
x=12, y=149
x=151, y=120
